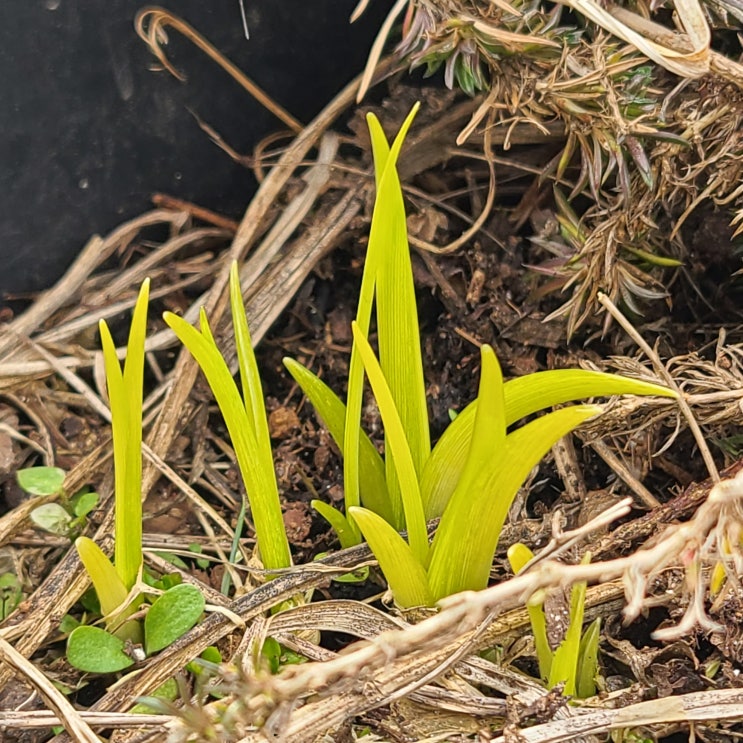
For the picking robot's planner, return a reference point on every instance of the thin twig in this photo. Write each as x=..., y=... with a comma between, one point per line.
x=660, y=368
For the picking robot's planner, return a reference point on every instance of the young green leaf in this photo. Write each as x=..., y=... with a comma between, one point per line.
x=519, y=555
x=41, y=480
x=255, y=465
x=565, y=659
x=588, y=660
x=398, y=329
x=470, y=526
x=112, y=593
x=249, y=375
x=332, y=412
x=341, y=525
x=125, y=398
x=405, y=574
x=399, y=452
x=53, y=518
x=523, y=396
x=385, y=159
x=171, y=616
x=94, y=650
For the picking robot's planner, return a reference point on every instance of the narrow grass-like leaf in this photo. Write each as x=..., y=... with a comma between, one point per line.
x=257, y=471
x=397, y=315
x=465, y=542
x=249, y=375
x=112, y=592
x=332, y=412
x=405, y=574
x=347, y=533
x=399, y=451
x=565, y=659
x=519, y=555
x=523, y=396
x=588, y=660
x=125, y=398
x=385, y=158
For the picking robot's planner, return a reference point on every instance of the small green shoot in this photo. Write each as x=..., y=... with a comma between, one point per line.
x=277, y=656
x=114, y=583
x=245, y=417
x=575, y=661
x=125, y=398
x=63, y=519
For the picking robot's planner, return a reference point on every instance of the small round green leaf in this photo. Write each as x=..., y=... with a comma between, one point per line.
x=41, y=480
x=171, y=616
x=94, y=650
x=84, y=503
x=53, y=518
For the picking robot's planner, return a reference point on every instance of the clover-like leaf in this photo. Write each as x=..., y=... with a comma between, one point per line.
x=53, y=518
x=41, y=480
x=171, y=616
x=94, y=650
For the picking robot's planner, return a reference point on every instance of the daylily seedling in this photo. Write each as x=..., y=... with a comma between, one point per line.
x=575, y=662
x=472, y=475
x=173, y=613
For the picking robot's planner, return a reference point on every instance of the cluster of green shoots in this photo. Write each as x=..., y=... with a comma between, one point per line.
x=468, y=479
x=574, y=662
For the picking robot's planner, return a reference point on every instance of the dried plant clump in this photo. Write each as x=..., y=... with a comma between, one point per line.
x=651, y=116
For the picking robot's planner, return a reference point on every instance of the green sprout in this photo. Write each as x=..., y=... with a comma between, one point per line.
x=472, y=475
x=245, y=417
x=575, y=661
x=117, y=584
x=114, y=582
x=62, y=519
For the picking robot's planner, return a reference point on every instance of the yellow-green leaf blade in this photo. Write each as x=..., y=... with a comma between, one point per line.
x=399, y=451
x=384, y=158
x=465, y=542
x=565, y=659
x=519, y=555
x=588, y=660
x=332, y=412
x=249, y=376
x=398, y=329
x=125, y=399
x=112, y=593
x=345, y=529
x=256, y=469
x=405, y=575
x=523, y=396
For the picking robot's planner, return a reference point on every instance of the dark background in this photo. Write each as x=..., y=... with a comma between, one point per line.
x=88, y=131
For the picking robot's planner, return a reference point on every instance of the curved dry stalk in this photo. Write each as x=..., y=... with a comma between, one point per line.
x=376, y=51
x=693, y=61
x=661, y=369
x=150, y=24
x=718, y=705
x=475, y=227
x=58, y=702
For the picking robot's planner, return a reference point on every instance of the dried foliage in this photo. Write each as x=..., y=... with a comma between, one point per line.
x=652, y=122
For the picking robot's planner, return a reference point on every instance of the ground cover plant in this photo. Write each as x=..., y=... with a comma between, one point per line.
x=663, y=577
